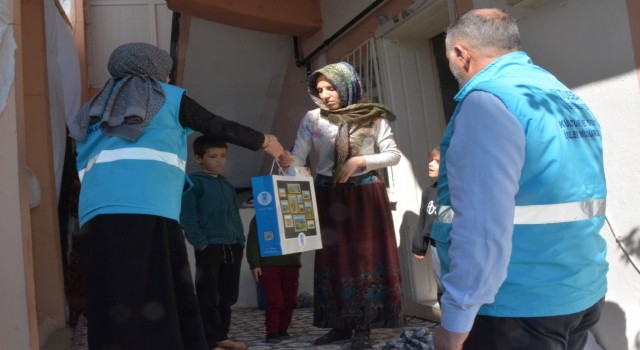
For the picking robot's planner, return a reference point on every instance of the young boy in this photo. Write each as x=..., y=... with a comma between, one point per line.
x=428, y=212
x=211, y=221
x=279, y=278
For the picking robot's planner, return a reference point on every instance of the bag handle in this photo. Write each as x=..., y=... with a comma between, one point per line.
x=282, y=172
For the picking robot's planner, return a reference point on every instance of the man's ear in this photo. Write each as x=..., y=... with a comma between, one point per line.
x=198, y=159
x=462, y=54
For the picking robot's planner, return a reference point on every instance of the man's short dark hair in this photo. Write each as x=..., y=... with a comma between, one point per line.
x=485, y=30
x=203, y=143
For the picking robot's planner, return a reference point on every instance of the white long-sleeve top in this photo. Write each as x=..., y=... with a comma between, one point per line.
x=319, y=133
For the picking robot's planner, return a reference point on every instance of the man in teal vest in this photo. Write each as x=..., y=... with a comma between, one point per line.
x=522, y=199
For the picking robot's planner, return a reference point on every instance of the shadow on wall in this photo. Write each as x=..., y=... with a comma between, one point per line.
x=415, y=284
x=407, y=228
x=613, y=333
x=632, y=244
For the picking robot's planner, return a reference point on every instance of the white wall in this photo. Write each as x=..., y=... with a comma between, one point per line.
x=63, y=68
x=238, y=74
x=587, y=45
x=112, y=23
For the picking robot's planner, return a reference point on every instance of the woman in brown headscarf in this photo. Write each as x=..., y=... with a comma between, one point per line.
x=357, y=282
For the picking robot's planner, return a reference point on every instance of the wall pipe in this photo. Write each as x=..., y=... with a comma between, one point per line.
x=325, y=44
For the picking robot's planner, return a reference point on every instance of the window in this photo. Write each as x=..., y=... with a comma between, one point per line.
x=365, y=61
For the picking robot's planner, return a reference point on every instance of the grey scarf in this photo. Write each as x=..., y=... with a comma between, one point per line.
x=131, y=98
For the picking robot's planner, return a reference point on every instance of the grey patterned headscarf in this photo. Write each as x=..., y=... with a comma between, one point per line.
x=344, y=79
x=131, y=98
x=356, y=118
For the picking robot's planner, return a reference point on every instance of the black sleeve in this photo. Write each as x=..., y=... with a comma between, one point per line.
x=198, y=118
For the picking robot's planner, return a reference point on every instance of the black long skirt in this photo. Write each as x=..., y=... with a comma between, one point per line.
x=357, y=280
x=139, y=289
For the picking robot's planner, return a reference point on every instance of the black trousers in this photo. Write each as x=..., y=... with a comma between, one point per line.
x=566, y=332
x=217, y=285
x=139, y=289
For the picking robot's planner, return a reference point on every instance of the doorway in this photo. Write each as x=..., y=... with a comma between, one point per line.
x=419, y=88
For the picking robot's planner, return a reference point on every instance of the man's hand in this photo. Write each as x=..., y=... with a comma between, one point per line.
x=445, y=340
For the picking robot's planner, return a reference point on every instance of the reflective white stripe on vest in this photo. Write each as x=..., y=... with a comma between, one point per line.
x=545, y=213
x=134, y=153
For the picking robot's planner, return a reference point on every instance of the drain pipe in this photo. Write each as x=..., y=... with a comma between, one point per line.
x=325, y=44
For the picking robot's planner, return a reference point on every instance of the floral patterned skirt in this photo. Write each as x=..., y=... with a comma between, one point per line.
x=357, y=280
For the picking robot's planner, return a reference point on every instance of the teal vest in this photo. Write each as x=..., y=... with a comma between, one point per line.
x=142, y=177
x=558, y=261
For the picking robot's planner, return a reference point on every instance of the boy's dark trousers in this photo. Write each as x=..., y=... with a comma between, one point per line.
x=281, y=293
x=217, y=284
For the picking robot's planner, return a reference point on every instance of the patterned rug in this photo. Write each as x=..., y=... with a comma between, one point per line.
x=247, y=326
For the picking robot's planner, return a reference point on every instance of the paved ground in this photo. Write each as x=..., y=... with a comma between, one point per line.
x=248, y=326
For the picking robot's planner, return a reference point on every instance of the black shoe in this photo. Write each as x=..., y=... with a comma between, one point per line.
x=333, y=336
x=283, y=335
x=361, y=340
x=273, y=338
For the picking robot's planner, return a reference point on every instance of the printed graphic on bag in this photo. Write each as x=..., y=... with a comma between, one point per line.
x=299, y=205
x=308, y=210
x=288, y=220
x=299, y=223
x=293, y=188
x=284, y=206
x=293, y=204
